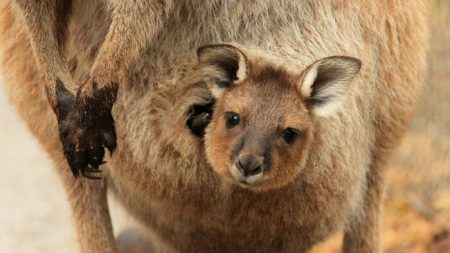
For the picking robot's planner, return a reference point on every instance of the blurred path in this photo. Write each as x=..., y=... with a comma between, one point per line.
x=34, y=214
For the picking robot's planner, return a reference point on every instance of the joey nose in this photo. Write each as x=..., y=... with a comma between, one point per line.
x=250, y=165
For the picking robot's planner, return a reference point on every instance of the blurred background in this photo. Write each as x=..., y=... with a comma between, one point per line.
x=35, y=216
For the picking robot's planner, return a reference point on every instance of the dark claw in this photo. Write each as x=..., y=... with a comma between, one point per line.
x=93, y=170
x=87, y=174
x=110, y=141
x=80, y=158
x=86, y=128
x=96, y=154
x=75, y=172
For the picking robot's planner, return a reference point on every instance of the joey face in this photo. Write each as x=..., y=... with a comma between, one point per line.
x=262, y=127
x=259, y=136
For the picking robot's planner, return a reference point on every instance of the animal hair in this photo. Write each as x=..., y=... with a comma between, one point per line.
x=144, y=54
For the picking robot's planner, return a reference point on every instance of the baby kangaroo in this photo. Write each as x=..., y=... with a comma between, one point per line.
x=84, y=116
x=264, y=116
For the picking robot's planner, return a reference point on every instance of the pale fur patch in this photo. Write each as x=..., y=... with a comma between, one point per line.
x=329, y=109
x=216, y=91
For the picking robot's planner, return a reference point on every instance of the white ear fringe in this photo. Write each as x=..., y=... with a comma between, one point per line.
x=328, y=109
x=242, y=68
x=305, y=85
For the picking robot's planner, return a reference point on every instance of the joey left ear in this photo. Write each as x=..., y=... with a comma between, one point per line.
x=221, y=66
x=325, y=82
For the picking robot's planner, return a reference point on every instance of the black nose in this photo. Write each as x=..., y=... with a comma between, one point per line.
x=250, y=165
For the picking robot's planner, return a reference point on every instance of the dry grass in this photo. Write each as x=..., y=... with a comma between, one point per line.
x=417, y=206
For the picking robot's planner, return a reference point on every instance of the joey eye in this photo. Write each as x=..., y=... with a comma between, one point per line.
x=289, y=135
x=231, y=119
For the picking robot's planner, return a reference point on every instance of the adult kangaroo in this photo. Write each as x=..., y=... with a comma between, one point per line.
x=163, y=84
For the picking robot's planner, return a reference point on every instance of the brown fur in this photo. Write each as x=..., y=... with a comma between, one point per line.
x=86, y=126
x=159, y=170
x=260, y=119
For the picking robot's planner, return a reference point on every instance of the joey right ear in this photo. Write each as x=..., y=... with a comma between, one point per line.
x=326, y=82
x=221, y=66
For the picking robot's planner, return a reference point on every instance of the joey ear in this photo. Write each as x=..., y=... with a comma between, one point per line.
x=221, y=66
x=325, y=83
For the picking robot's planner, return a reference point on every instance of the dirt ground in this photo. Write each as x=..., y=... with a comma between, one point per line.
x=34, y=214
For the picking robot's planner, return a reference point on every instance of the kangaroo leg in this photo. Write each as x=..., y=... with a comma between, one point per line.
x=88, y=201
x=363, y=232
x=27, y=93
x=46, y=22
x=134, y=24
x=85, y=121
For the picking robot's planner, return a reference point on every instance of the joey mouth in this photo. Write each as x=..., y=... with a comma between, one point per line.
x=249, y=170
